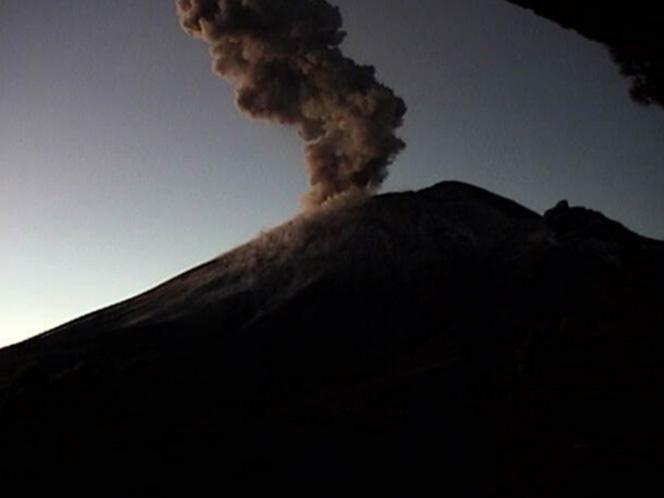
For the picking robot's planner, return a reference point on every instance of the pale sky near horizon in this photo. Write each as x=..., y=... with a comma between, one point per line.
x=123, y=161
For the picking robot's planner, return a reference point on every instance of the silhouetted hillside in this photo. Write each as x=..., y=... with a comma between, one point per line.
x=447, y=337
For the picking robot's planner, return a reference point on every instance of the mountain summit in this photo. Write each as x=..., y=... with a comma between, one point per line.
x=444, y=336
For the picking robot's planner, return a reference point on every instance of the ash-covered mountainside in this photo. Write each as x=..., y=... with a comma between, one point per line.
x=448, y=336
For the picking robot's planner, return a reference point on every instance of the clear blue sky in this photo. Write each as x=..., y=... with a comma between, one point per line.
x=124, y=162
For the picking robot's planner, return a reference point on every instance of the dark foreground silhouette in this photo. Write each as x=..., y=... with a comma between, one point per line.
x=631, y=29
x=446, y=339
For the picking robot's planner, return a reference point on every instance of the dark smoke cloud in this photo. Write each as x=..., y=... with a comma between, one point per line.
x=283, y=57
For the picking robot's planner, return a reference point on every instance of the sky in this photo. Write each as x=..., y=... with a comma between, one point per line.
x=124, y=162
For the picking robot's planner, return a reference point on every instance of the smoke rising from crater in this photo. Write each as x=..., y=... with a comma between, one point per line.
x=284, y=59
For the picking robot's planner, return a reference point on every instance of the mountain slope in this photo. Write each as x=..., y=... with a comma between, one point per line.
x=445, y=335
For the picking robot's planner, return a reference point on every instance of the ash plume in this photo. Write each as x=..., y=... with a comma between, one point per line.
x=284, y=59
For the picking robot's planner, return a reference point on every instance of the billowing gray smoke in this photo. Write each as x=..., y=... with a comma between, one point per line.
x=283, y=57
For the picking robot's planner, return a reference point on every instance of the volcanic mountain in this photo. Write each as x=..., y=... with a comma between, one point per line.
x=447, y=336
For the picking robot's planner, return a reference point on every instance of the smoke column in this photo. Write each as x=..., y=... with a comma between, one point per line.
x=284, y=59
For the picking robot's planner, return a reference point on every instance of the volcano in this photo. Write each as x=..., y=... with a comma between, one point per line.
x=446, y=337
